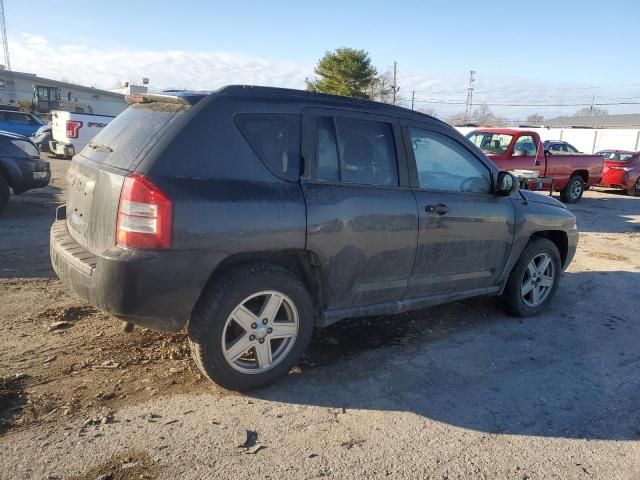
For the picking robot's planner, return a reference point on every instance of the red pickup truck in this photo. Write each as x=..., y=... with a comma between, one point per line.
x=523, y=150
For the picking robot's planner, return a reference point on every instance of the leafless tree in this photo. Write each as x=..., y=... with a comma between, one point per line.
x=590, y=112
x=535, y=118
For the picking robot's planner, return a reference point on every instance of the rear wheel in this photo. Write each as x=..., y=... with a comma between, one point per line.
x=4, y=192
x=250, y=327
x=534, y=279
x=634, y=191
x=573, y=191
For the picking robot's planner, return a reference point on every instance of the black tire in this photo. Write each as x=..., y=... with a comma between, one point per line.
x=634, y=191
x=4, y=192
x=512, y=294
x=218, y=302
x=572, y=193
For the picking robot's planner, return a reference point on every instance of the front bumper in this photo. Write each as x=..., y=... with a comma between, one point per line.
x=33, y=173
x=156, y=290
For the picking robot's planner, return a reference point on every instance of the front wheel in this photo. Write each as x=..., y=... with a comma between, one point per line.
x=534, y=279
x=251, y=326
x=634, y=191
x=573, y=191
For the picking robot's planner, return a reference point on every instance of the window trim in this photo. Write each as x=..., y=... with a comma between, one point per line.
x=413, y=166
x=309, y=137
x=237, y=118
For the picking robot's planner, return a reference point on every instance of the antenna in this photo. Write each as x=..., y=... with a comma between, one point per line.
x=5, y=44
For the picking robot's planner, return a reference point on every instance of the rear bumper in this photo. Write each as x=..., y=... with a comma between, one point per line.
x=59, y=148
x=157, y=290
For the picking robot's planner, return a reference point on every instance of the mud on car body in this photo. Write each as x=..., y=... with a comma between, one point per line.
x=250, y=215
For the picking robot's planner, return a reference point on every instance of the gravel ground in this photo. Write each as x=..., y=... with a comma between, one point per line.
x=457, y=391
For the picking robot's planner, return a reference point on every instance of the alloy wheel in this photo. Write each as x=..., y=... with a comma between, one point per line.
x=537, y=280
x=260, y=332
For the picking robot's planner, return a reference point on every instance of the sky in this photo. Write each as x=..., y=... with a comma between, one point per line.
x=552, y=55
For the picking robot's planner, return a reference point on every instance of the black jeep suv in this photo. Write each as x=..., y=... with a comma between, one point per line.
x=251, y=215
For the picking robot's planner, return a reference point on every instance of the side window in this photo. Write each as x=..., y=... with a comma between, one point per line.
x=367, y=152
x=526, y=143
x=361, y=152
x=276, y=140
x=326, y=166
x=444, y=164
x=17, y=117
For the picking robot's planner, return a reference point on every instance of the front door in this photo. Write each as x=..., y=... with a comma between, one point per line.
x=362, y=221
x=466, y=231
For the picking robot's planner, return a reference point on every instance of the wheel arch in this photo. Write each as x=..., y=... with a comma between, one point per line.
x=583, y=173
x=559, y=238
x=302, y=263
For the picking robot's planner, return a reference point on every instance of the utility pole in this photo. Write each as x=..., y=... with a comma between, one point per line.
x=395, y=78
x=469, y=105
x=5, y=44
x=413, y=98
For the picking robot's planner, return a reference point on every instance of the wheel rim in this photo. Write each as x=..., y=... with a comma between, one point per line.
x=537, y=280
x=260, y=332
x=576, y=189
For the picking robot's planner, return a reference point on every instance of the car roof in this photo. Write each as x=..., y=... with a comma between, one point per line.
x=322, y=99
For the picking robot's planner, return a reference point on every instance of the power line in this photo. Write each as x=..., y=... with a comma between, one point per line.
x=538, y=89
x=494, y=104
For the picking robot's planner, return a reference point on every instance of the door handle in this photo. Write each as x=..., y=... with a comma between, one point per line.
x=537, y=164
x=438, y=209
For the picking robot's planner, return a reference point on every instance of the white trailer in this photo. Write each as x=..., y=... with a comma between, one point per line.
x=72, y=131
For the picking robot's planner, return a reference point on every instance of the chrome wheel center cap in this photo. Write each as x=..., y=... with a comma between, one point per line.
x=261, y=332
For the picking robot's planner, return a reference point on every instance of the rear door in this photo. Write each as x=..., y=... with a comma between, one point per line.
x=466, y=231
x=362, y=219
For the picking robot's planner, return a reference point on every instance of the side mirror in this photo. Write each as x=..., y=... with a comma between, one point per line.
x=547, y=152
x=507, y=183
x=519, y=152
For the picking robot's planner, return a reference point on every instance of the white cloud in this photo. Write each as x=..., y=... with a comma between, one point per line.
x=110, y=67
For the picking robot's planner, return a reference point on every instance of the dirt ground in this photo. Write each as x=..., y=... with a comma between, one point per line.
x=457, y=391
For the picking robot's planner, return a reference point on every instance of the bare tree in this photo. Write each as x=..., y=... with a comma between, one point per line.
x=590, y=112
x=535, y=118
x=382, y=88
x=457, y=119
x=483, y=116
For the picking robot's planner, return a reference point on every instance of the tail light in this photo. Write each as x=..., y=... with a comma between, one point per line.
x=73, y=127
x=145, y=215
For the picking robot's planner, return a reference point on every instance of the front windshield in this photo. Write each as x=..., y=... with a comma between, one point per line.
x=622, y=157
x=490, y=142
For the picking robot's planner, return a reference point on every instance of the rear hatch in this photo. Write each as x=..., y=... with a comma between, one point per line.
x=97, y=173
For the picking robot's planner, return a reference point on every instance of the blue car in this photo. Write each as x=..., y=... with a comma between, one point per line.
x=21, y=123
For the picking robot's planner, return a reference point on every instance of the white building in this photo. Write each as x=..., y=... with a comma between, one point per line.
x=19, y=86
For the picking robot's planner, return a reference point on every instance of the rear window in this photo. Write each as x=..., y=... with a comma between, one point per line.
x=275, y=138
x=129, y=136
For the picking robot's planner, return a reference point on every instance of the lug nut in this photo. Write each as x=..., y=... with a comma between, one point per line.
x=262, y=340
x=254, y=325
x=252, y=337
x=265, y=321
x=270, y=330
